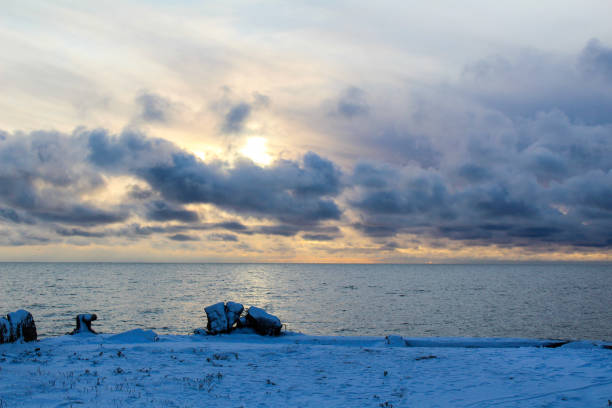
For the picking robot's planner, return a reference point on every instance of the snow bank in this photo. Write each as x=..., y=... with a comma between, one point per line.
x=132, y=369
x=133, y=336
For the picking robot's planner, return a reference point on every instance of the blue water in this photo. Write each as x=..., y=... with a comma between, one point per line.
x=571, y=301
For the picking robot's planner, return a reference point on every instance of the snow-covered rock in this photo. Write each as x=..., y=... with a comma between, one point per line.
x=83, y=324
x=21, y=326
x=263, y=322
x=233, y=311
x=217, y=320
x=222, y=318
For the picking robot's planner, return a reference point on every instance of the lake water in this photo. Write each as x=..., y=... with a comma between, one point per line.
x=541, y=300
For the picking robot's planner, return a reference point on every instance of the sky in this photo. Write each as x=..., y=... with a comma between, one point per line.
x=306, y=131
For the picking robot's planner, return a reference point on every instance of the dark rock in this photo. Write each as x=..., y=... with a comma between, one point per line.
x=83, y=323
x=22, y=326
x=5, y=331
x=242, y=322
x=262, y=322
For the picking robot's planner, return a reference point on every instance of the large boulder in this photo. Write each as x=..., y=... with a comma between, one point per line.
x=233, y=311
x=18, y=325
x=217, y=320
x=83, y=324
x=263, y=322
x=222, y=318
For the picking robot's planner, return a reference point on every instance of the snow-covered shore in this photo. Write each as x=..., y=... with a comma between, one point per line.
x=138, y=368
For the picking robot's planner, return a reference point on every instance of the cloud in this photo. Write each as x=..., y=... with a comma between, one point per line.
x=77, y=232
x=287, y=190
x=155, y=108
x=183, y=238
x=44, y=174
x=534, y=82
x=223, y=237
x=318, y=237
x=352, y=103
x=596, y=59
x=50, y=177
x=162, y=211
x=234, y=120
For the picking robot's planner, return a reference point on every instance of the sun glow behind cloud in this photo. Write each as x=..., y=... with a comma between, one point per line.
x=255, y=149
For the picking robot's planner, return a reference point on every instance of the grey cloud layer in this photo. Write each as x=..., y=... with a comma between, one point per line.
x=523, y=157
x=518, y=152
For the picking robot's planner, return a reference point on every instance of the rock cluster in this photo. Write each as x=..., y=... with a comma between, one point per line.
x=223, y=318
x=83, y=324
x=17, y=326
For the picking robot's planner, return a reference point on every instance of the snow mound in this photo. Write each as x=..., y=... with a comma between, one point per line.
x=134, y=336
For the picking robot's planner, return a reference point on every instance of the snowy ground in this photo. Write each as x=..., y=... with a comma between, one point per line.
x=134, y=369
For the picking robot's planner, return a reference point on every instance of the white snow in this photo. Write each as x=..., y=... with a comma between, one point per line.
x=133, y=369
x=134, y=336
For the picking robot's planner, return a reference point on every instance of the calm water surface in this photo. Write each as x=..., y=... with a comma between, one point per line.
x=542, y=300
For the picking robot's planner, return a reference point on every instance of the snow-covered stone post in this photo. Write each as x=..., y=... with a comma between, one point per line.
x=83, y=323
